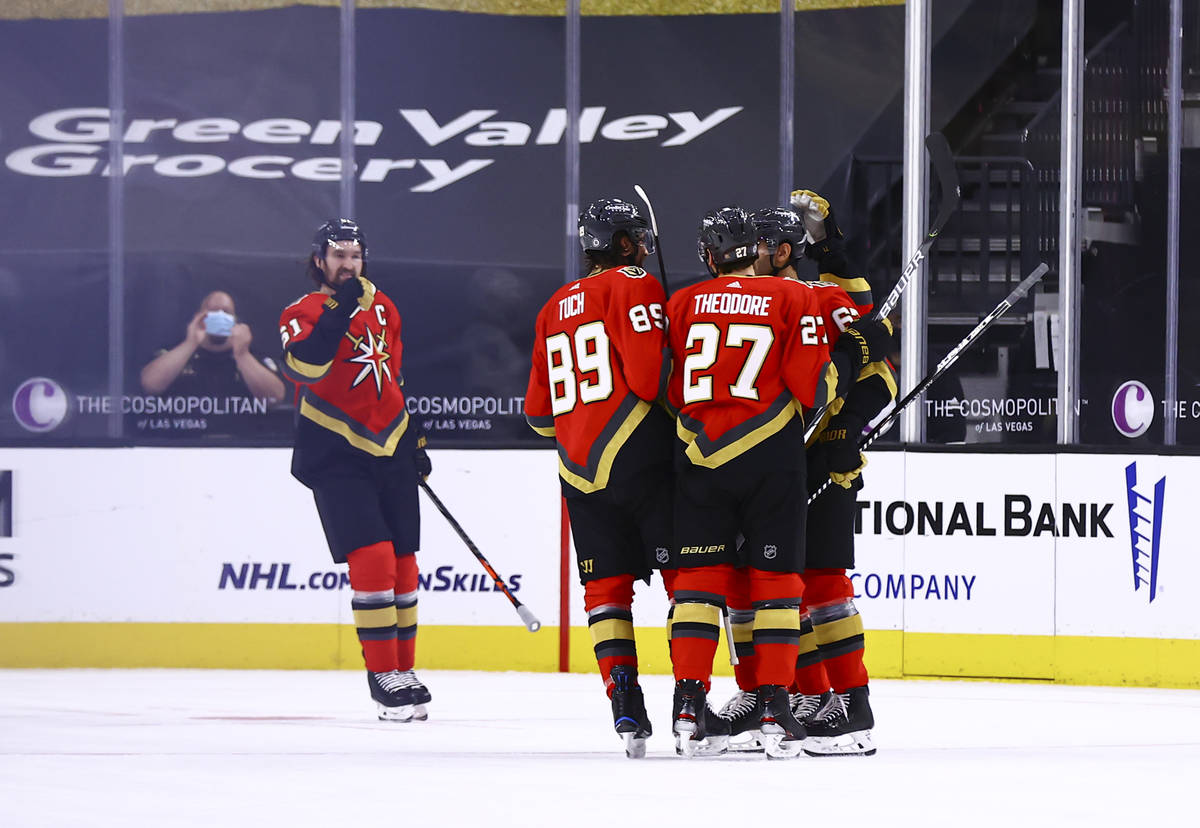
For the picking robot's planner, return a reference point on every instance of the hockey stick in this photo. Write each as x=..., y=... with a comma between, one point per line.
x=947, y=175
x=662, y=268
x=1018, y=293
x=528, y=617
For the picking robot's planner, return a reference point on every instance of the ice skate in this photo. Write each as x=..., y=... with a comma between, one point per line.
x=419, y=694
x=629, y=711
x=698, y=730
x=743, y=713
x=845, y=727
x=392, y=698
x=782, y=733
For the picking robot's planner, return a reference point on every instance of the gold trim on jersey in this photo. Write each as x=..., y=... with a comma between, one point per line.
x=830, y=378
x=712, y=453
x=883, y=370
x=357, y=435
x=858, y=288
x=305, y=371
x=542, y=425
x=604, y=452
x=874, y=369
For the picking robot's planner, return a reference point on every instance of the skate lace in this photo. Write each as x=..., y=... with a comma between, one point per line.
x=838, y=710
x=741, y=704
x=390, y=681
x=803, y=704
x=408, y=680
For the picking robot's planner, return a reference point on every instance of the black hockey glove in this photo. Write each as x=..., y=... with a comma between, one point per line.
x=421, y=459
x=345, y=299
x=867, y=340
x=839, y=444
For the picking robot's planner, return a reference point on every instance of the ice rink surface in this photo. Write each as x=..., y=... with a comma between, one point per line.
x=233, y=748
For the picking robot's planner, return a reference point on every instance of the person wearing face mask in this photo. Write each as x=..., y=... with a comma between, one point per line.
x=359, y=453
x=214, y=359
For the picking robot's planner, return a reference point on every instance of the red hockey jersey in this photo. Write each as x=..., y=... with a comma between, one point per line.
x=598, y=365
x=748, y=354
x=357, y=394
x=843, y=301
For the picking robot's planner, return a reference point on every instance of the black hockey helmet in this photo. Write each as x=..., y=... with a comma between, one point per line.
x=776, y=225
x=601, y=220
x=339, y=229
x=728, y=234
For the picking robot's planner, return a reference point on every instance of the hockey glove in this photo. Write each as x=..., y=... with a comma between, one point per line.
x=867, y=340
x=347, y=296
x=825, y=245
x=421, y=459
x=815, y=212
x=368, y=294
x=839, y=444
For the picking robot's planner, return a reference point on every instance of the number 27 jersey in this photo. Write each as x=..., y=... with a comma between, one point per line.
x=749, y=353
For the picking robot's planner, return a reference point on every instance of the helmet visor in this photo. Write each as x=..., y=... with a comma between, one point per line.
x=643, y=236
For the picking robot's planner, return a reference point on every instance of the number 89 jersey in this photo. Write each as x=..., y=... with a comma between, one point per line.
x=749, y=353
x=598, y=366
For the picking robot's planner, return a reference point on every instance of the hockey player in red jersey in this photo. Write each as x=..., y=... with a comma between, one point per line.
x=837, y=721
x=598, y=369
x=356, y=449
x=750, y=355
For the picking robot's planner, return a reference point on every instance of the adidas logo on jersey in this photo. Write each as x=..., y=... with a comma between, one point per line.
x=734, y=283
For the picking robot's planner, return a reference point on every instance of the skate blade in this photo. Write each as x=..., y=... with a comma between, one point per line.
x=858, y=743
x=708, y=746
x=776, y=744
x=635, y=748
x=753, y=744
x=420, y=714
x=401, y=713
x=685, y=745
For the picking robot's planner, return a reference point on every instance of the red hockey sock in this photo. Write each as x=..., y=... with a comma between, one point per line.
x=372, y=577
x=776, y=599
x=609, y=606
x=406, y=612
x=696, y=619
x=810, y=678
x=741, y=619
x=838, y=627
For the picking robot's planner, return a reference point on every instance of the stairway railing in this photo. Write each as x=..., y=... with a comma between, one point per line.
x=984, y=249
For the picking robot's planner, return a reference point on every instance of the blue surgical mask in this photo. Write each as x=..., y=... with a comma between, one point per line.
x=218, y=323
